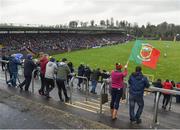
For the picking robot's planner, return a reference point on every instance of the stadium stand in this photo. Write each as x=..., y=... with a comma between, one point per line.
x=57, y=41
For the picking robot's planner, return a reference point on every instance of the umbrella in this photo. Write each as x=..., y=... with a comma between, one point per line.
x=18, y=56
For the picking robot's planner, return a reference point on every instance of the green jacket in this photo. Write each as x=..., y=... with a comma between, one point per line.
x=62, y=71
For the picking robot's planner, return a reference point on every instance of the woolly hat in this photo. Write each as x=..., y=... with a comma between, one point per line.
x=29, y=56
x=118, y=66
x=52, y=59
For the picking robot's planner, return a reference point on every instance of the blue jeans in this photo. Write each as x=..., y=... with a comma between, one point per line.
x=115, y=98
x=94, y=84
x=13, y=79
x=132, y=101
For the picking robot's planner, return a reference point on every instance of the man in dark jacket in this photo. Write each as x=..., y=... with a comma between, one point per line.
x=13, y=69
x=71, y=67
x=29, y=66
x=137, y=83
x=87, y=73
x=104, y=75
x=94, y=79
x=157, y=84
x=8, y=67
x=80, y=73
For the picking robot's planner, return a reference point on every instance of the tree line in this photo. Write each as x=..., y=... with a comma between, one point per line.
x=163, y=30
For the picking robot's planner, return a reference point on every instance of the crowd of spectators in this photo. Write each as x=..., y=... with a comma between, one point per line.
x=58, y=42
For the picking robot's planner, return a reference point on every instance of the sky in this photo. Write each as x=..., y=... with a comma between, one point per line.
x=51, y=12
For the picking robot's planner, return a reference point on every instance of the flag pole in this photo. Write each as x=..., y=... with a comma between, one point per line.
x=127, y=63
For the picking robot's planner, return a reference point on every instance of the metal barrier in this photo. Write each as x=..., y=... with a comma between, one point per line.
x=176, y=91
x=6, y=62
x=71, y=86
x=104, y=86
x=32, y=85
x=127, y=93
x=170, y=102
x=160, y=90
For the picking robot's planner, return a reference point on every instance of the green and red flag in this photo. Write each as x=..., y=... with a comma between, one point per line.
x=144, y=53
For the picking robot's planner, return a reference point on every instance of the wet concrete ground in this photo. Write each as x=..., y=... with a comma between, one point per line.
x=11, y=118
x=21, y=113
x=167, y=119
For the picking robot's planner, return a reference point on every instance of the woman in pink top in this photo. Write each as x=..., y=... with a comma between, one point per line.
x=117, y=77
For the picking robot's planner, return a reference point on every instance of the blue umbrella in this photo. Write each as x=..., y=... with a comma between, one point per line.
x=18, y=56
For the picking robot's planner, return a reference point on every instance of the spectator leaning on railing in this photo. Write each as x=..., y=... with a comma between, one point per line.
x=166, y=99
x=158, y=84
x=80, y=73
x=94, y=79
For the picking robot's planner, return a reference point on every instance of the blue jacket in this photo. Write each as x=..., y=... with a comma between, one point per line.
x=13, y=65
x=137, y=84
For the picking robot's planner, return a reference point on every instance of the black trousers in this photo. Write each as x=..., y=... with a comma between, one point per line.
x=80, y=82
x=61, y=86
x=3, y=66
x=116, y=95
x=42, y=83
x=166, y=99
x=155, y=96
x=49, y=83
x=26, y=82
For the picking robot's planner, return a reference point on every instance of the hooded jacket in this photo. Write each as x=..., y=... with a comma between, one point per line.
x=62, y=71
x=87, y=72
x=13, y=65
x=137, y=84
x=50, y=70
x=81, y=70
x=157, y=84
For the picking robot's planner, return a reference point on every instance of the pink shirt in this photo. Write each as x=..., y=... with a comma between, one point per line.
x=117, y=78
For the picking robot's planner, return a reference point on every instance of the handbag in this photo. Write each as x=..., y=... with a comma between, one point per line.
x=104, y=98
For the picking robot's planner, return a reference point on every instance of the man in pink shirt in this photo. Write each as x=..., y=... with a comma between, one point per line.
x=117, y=77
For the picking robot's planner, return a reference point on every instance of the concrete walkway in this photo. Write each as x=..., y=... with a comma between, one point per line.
x=89, y=110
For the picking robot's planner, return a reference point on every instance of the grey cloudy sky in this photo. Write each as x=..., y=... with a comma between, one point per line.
x=62, y=11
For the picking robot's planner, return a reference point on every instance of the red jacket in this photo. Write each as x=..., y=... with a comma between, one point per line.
x=167, y=85
x=43, y=63
x=178, y=85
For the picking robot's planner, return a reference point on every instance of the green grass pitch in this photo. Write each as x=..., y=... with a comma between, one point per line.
x=168, y=67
